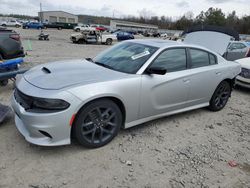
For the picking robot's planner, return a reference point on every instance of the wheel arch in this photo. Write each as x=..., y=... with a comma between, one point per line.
x=116, y=100
x=231, y=82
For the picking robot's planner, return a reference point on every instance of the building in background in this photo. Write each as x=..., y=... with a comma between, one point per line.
x=124, y=25
x=57, y=16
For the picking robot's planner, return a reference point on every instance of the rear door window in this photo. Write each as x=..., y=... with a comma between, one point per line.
x=199, y=58
x=172, y=59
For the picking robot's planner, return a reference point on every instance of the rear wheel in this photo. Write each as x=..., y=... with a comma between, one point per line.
x=109, y=41
x=59, y=28
x=220, y=96
x=4, y=82
x=78, y=30
x=98, y=123
x=4, y=25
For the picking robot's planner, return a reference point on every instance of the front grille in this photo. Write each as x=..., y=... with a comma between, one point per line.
x=24, y=100
x=245, y=73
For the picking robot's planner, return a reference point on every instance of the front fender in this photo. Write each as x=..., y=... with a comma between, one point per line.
x=127, y=91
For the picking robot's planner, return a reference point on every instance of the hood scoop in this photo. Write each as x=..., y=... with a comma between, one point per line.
x=46, y=70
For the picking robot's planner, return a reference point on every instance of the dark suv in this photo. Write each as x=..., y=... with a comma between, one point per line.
x=10, y=44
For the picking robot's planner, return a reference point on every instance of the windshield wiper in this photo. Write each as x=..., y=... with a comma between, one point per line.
x=90, y=59
x=98, y=63
x=103, y=65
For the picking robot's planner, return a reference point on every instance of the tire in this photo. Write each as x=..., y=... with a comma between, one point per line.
x=97, y=123
x=1, y=57
x=220, y=96
x=4, y=25
x=4, y=82
x=17, y=26
x=77, y=30
x=81, y=41
x=59, y=28
x=109, y=41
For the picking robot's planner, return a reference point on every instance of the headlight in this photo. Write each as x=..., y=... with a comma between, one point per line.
x=36, y=104
x=245, y=73
x=49, y=104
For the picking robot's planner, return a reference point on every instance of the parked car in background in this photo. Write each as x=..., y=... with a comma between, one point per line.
x=131, y=83
x=11, y=23
x=10, y=45
x=244, y=77
x=99, y=28
x=33, y=25
x=156, y=34
x=121, y=35
x=237, y=50
x=60, y=25
x=84, y=28
x=95, y=37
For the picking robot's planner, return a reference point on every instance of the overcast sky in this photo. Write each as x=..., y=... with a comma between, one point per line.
x=119, y=8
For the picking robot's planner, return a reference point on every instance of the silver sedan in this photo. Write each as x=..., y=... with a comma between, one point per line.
x=128, y=84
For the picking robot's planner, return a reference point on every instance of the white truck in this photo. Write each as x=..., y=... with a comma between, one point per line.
x=93, y=37
x=84, y=28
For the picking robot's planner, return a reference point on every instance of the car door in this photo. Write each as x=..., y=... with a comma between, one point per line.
x=236, y=50
x=164, y=93
x=205, y=75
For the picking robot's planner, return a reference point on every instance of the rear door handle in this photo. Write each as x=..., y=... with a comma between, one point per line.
x=186, y=80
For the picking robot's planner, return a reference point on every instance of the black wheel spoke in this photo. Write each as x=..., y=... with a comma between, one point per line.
x=101, y=134
x=106, y=112
x=106, y=131
x=87, y=124
x=111, y=116
x=99, y=113
x=88, y=131
x=93, y=135
x=111, y=124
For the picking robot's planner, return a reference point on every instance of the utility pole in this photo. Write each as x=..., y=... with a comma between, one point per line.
x=41, y=16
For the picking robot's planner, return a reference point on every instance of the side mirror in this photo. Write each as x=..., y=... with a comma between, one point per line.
x=156, y=70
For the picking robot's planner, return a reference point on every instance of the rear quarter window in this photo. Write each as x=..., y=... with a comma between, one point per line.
x=213, y=59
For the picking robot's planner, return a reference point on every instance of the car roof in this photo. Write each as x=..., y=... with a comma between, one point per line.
x=160, y=43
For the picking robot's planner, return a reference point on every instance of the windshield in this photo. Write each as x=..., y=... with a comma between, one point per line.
x=127, y=57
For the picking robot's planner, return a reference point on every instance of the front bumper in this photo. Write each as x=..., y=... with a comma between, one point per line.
x=241, y=81
x=32, y=126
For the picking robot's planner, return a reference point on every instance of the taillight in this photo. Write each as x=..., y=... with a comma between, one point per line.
x=248, y=53
x=15, y=37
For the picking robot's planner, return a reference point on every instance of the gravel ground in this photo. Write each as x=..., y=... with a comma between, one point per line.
x=192, y=149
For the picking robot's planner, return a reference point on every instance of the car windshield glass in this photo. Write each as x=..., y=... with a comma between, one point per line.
x=127, y=57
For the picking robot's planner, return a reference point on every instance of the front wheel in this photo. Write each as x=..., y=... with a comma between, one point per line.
x=220, y=96
x=109, y=41
x=97, y=123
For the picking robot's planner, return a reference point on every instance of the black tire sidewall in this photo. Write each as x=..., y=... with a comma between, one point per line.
x=109, y=41
x=212, y=105
x=86, y=109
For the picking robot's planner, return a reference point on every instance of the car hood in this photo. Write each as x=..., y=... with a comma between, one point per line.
x=62, y=74
x=204, y=38
x=245, y=62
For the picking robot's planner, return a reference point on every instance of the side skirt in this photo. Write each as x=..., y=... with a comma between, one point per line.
x=140, y=121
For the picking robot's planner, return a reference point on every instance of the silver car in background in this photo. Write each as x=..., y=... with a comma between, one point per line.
x=128, y=84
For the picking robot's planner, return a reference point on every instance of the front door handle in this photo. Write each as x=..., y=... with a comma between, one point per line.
x=186, y=80
x=218, y=73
